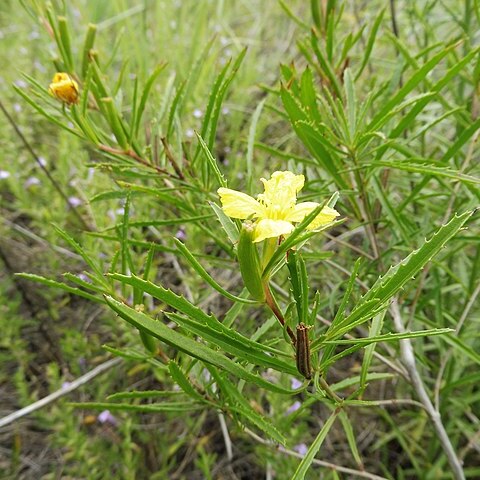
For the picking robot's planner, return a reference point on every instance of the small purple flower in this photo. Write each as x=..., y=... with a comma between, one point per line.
x=4, y=174
x=295, y=383
x=189, y=133
x=21, y=83
x=31, y=181
x=225, y=110
x=197, y=113
x=65, y=385
x=84, y=277
x=107, y=417
x=301, y=448
x=294, y=407
x=39, y=66
x=74, y=201
x=181, y=234
x=42, y=161
x=270, y=375
x=17, y=107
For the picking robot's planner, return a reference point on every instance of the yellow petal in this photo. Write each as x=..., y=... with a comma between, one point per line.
x=237, y=204
x=326, y=215
x=282, y=188
x=271, y=228
x=301, y=210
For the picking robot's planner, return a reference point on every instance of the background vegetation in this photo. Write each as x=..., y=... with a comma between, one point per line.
x=375, y=101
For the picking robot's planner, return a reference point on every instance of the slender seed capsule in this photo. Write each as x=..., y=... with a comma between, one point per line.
x=249, y=261
x=303, y=351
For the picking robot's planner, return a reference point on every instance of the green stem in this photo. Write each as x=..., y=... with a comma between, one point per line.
x=330, y=393
x=273, y=305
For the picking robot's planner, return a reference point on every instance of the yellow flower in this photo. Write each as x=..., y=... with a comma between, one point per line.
x=64, y=88
x=276, y=210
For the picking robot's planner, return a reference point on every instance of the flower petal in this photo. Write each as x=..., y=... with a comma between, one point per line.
x=301, y=210
x=326, y=215
x=237, y=204
x=282, y=188
x=267, y=228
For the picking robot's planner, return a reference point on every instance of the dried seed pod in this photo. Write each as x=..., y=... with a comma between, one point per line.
x=303, y=351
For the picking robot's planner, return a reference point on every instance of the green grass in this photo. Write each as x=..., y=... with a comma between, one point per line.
x=176, y=100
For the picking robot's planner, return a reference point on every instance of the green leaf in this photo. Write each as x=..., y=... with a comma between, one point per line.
x=235, y=344
x=251, y=142
x=149, y=408
x=463, y=138
x=370, y=43
x=190, y=346
x=387, y=286
x=239, y=404
x=228, y=225
x=302, y=469
x=78, y=248
x=414, y=165
x=322, y=150
x=206, y=276
x=87, y=47
x=390, y=337
x=299, y=283
x=408, y=86
x=374, y=331
x=144, y=394
x=143, y=100
x=60, y=285
x=182, y=381
x=205, y=323
x=352, y=441
x=212, y=162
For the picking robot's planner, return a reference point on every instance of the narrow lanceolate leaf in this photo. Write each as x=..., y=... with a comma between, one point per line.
x=350, y=434
x=387, y=286
x=206, y=276
x=462, y=139
x=413, y=165
x=419, y=76
x=240, y=405
x=182, y=381
x=143, y=100
x=212, y=162
x=228, y=225
x=251, y=143
x=62, y=286
x=184, y=306
x=148, y=408
x=190, y=346
x=374, y=331
x=314, y=448
x=391, y=337
x=234, y=344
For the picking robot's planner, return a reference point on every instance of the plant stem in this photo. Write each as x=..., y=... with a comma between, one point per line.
x=55, y=184
x=273, y=305
x=329, y=391
x=408, y=359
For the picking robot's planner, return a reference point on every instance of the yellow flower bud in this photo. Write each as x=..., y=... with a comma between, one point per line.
x=64, y=88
